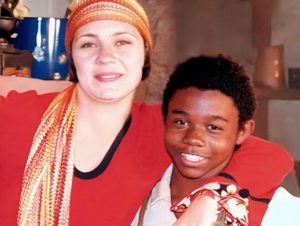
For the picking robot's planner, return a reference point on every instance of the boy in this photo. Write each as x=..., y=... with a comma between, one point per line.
x=208, y=108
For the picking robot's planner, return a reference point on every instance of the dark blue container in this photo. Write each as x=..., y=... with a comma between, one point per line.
x=44, y=38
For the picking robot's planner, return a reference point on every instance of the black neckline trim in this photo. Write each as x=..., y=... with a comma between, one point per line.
x=108, y=156
x=230, y=177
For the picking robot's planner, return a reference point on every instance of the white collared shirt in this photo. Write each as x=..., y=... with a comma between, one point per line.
x=158, y=211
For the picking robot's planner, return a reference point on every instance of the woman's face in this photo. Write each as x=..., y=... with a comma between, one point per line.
x=108, y=56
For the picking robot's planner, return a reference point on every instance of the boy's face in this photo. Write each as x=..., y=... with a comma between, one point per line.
x=201, y=132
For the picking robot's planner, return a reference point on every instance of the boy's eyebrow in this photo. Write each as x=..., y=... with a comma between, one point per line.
x=213, y=117
x=217, y=117
x=177, y=111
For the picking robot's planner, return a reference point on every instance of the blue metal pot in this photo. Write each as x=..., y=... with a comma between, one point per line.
x=44, y=38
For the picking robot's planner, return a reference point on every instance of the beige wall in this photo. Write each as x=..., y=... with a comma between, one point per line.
x=285, y=30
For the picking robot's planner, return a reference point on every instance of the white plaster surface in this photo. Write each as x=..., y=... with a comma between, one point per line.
x=284, y=125
x=47, y=8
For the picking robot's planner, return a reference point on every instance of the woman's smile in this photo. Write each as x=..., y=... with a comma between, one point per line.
x=108, y=77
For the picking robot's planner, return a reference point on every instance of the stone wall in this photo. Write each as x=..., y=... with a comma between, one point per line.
x=163, y=28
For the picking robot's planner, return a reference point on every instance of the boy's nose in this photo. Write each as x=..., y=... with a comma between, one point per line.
x=195, y=137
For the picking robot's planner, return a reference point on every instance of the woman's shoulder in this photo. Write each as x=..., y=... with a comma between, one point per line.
x=27, y=97
x=149, y=114
x=18, y=92
x=17, y=104
x=147, y=107
x=147, y=111
x=20, y=84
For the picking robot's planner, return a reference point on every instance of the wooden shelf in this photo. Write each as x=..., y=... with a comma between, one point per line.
x=266, y=93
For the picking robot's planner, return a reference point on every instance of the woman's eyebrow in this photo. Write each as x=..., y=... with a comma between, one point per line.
x=85, y=35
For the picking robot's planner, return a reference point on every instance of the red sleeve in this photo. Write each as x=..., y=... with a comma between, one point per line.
x=260, y=166
x=20, y=115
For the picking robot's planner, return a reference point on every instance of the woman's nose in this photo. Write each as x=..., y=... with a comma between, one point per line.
x=194, y=136
x=106, y=55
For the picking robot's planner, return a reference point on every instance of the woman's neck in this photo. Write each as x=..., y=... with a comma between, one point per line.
x=113, y=112
x=97, y=125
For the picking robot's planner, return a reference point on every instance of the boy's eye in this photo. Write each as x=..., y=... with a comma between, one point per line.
x=181, y=122
x=212, y=127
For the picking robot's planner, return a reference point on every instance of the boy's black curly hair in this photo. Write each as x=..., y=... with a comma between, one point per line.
x=216, y=72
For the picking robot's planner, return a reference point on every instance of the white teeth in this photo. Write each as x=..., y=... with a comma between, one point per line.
x=192, y=158
x=109, y=76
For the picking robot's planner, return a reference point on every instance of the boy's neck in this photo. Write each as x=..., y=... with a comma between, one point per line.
x=181, y=186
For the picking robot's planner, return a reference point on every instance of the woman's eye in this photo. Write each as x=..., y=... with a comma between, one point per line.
x=87, y=45
x=123, y=43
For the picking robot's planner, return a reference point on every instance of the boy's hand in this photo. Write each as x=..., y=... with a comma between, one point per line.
x=201, y=212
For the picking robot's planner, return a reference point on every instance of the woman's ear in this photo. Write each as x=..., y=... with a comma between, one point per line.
x=245, y=131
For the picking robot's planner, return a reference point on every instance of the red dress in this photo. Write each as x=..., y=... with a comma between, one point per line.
x=113, y=197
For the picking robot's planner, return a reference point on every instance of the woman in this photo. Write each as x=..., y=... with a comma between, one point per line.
x=94, y=155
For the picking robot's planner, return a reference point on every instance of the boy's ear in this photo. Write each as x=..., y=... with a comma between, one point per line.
x=246, y=130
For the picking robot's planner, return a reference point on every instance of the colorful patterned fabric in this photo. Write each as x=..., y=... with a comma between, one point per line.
x=129, y=11
x=47, y=181
x=233, y=206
